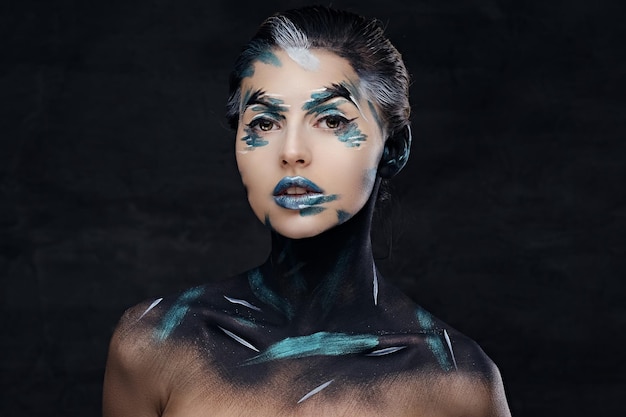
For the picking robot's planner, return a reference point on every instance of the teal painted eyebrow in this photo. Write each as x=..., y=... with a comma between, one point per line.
x=320, y=98
x=259, y=102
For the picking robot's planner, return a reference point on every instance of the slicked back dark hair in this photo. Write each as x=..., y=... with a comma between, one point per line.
x=360, y=41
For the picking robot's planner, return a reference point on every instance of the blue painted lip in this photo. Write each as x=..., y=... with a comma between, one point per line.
x=314, y=195
x=298, y=181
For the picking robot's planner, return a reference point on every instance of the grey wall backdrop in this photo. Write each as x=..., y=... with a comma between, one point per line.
x=118, y=183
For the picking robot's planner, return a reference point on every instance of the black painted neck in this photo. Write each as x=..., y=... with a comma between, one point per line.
x=334, y=270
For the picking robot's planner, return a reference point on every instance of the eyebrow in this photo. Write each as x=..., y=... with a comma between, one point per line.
x=328, y=93
x=273, y=105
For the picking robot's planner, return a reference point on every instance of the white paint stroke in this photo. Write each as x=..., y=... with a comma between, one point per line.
x=386, y=351
x=375, y=286
x=315, y=391
x=445, y=334
x=154, y=303
x=239, y=339
x=242, y=302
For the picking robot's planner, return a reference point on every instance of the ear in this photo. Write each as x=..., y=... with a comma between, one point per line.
x=395, y=153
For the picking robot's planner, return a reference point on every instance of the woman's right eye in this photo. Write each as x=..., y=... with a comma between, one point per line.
x=264, y=125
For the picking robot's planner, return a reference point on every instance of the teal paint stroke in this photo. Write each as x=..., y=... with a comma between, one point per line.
x=245, y=322
x=269, y=57
x=324, y=108
x=272, y=105
x=434, y=340
x=351, y=135
x=256, y=51
x=175, y=315
x=330, y=290
x=265, y=294
x=316, y=99
x=317, y=344
x=342, y=216
x=253, y=139
x=311, y=211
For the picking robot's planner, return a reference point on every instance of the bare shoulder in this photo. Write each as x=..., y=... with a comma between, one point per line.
x=474, y=386
x=141, y=371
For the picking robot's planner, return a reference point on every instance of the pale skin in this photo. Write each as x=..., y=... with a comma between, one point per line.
x=186, y=376
x=305, y=143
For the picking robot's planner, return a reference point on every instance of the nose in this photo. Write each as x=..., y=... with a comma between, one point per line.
x=295, y=151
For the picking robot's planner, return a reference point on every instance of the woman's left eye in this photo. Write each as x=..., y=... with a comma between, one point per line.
x=333, y=122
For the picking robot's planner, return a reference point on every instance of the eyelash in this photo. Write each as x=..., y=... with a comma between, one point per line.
x=340, y=119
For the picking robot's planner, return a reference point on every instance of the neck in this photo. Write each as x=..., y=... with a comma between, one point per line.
x=309, y=280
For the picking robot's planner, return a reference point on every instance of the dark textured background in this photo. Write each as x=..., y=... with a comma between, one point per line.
x=118, y=183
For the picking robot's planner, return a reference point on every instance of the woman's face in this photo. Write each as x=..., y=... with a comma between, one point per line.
x=308, y=142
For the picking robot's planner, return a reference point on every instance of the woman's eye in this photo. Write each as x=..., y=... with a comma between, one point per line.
x=264, y=125
x=333, y=122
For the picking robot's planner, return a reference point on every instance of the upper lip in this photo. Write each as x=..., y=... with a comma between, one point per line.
x=296, y=182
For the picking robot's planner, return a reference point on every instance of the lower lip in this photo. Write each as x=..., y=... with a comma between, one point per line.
x=302, y=201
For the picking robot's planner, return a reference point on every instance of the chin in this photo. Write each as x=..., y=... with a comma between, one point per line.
x=298, y=227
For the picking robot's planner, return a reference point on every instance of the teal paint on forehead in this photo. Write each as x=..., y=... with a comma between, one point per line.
x=264, y=55
x=351, y=135
x=265, y=294
x=247, y=72
x=269, y=57
x=175, y=315
x=317, y=344
x=434, y=340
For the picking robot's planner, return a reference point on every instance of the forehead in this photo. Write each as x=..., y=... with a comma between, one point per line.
x=285, y=76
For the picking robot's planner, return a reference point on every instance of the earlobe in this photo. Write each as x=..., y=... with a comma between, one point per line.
x=395, y=153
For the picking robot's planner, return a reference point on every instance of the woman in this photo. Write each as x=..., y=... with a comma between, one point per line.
x=319, y=99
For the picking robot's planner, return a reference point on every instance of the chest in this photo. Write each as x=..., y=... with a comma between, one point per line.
x=300, y=394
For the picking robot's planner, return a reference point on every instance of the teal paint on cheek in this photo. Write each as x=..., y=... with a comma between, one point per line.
x=252, y=139
x=175, y=315
x=351, y=136
x=434, y=341
x=317, y=344
x=311, y=211
x=342, y=216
